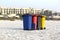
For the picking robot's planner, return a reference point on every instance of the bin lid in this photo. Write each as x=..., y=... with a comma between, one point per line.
x=35, y=15
x=43, y=16
x=27, y=15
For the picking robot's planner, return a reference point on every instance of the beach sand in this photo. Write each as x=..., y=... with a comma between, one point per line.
x=13, y=30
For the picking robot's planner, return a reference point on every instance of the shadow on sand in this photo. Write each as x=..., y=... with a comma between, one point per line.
x=12, y=28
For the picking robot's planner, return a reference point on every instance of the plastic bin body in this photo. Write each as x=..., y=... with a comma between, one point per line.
x=43, y=22
x=34, y=21
x=39, y=22
x=27, y=22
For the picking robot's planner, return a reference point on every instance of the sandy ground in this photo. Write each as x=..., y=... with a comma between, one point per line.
x=13, y=30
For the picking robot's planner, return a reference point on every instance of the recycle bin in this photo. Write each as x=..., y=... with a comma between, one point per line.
x=27, y=22
x=43, y=21
x=39, y=22
x=34, y=21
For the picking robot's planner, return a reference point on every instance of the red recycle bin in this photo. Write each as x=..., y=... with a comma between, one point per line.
x=35, y=21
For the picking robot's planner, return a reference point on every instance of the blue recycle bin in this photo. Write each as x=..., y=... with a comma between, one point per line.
x=27, y=22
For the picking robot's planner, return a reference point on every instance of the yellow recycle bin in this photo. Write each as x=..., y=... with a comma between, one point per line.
x=43, y=17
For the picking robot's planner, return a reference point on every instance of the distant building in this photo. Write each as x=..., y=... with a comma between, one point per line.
x=19, y=10
x=0, y=10
x=48, y=14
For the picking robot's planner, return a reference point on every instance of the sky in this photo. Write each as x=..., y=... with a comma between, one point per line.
x=39, y=4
